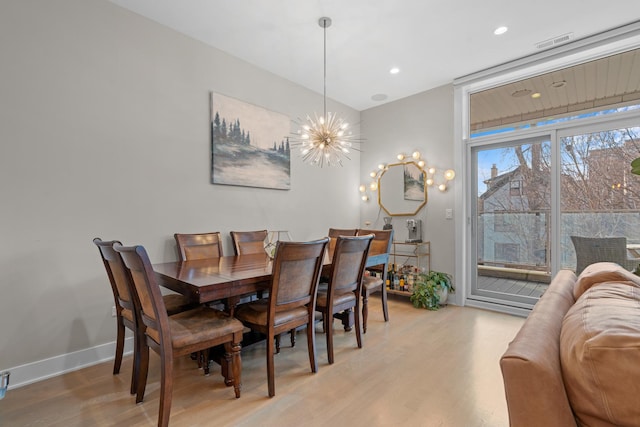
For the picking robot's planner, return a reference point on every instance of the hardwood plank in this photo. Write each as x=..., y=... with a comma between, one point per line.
x=422, y=368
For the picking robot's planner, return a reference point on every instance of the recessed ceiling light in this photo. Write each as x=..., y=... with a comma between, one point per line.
x=394, y=70
x=379, y=97
x=559, y=84
x=536, y=95
x=500, y=30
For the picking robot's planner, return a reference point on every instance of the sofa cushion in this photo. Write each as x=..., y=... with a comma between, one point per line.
x=602, y=272
x=600, y=354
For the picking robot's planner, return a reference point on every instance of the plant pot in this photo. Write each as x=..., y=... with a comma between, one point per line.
x=443, y=293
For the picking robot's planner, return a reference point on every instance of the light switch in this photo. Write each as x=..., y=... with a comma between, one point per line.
x=448, y=213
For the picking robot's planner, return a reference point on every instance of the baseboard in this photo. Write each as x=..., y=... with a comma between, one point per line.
x=41, y=370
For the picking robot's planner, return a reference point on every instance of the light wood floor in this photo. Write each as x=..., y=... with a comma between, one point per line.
x=423, y=368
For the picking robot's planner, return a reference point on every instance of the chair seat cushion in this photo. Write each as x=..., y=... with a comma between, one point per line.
x=175, y=303
x=256, y=313
x=599, y=354
x=201, y=324
x=371, y=283
x=338, y=299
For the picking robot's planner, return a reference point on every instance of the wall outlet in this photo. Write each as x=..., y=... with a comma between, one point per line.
x=448, y=213
x=113, y=311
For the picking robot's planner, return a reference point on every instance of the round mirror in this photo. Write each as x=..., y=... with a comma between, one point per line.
x=402, y=189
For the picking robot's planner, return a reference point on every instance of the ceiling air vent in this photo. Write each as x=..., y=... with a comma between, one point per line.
x=554, y=41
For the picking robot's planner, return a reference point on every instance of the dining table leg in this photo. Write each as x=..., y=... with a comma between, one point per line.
x=347, y=319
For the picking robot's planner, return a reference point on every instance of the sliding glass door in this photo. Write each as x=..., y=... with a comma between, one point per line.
x=532, y=197
x=512, y=192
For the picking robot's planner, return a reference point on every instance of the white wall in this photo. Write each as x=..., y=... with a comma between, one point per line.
x=104, y=131
x=423, y=122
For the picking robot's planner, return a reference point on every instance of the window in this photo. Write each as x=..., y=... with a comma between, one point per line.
x=515, y=188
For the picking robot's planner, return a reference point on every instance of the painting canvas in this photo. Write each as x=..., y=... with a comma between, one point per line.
x=413, y=182
x=249, y=146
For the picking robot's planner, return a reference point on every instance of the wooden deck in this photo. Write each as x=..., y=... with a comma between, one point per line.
x=512, y=286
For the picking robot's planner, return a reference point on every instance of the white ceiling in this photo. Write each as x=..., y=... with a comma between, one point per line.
x=432, y=42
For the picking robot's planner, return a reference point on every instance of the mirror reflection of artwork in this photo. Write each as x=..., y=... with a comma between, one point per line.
x=392, y=189
x=247, y=145
x=413, y=183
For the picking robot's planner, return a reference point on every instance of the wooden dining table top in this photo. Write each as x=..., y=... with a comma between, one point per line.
x=226, y=277
x=212, y=279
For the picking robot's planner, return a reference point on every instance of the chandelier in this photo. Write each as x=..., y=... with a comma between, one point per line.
x=325, y=139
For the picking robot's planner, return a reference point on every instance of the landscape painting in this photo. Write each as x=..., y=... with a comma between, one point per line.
x=413, y=182
x=248, y=145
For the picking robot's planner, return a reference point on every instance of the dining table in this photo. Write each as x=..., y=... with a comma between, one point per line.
x=228, y=279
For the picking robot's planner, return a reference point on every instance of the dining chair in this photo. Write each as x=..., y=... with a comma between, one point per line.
x=248, y=242
x=334, y=233
x=198, y=246
x=292, y=298
x=590, y=250
x=127, y=305
x=345, y=285
x=172, y=336
x=380, y=246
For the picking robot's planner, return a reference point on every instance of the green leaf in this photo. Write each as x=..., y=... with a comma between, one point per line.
x=635, y=166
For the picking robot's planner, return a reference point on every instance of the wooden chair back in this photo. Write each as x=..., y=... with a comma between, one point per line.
x=248, y=242
x=296, y=274
x=152, y=309
x=118, y=275
x=198, y=246
x=334, y=233
x=348, y=265
x=382, y=241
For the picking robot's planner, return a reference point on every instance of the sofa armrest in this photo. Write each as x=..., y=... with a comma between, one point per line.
x=531, y=365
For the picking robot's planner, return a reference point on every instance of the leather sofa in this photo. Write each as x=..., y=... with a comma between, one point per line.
x=576, y=359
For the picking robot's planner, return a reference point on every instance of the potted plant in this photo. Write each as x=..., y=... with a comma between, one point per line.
x=431, y=289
